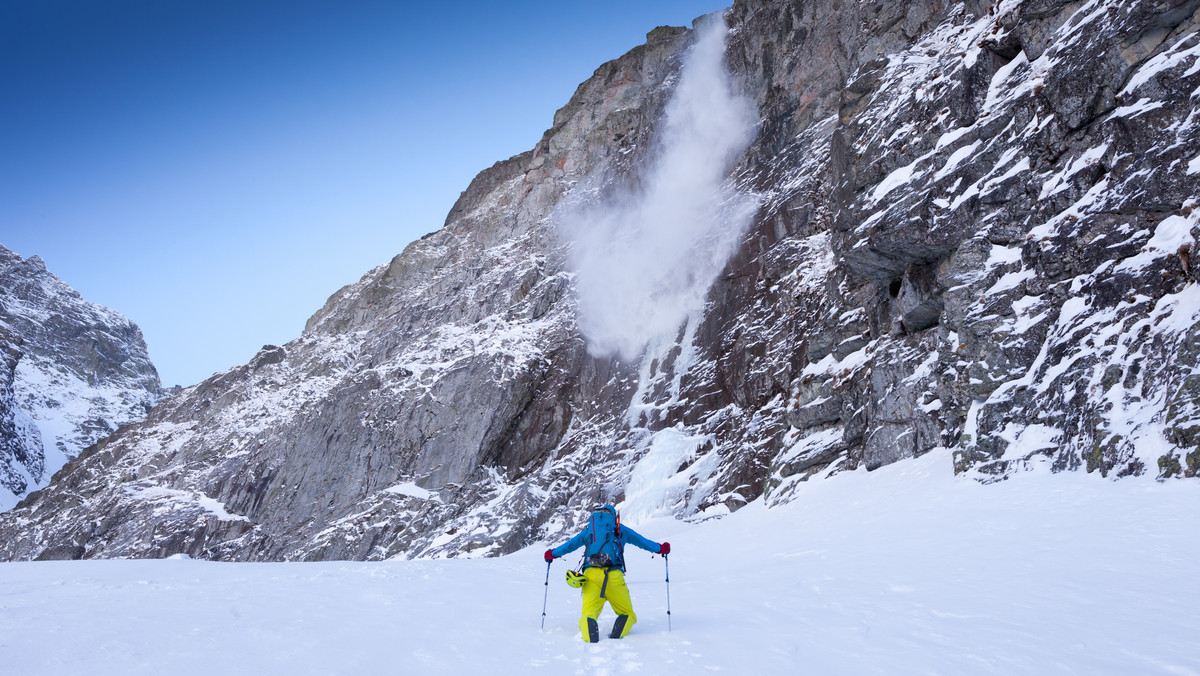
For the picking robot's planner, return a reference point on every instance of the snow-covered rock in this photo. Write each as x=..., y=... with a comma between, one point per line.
x=975, y=232
x=72, y=373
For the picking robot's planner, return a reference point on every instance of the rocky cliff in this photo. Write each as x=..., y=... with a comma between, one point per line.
x=974, y=229
x=71, y=372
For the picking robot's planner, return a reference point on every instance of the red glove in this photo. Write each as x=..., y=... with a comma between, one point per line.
x=664, y=548
x=549, y=556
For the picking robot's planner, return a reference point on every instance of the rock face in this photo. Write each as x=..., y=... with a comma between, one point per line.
x=976, y=231
x=71, y=372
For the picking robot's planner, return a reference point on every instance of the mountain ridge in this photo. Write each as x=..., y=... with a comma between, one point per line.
x=954, y=249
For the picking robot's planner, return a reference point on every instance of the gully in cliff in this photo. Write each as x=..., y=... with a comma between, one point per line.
x=602, y=575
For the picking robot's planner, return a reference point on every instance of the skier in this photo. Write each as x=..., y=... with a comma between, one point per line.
x=603, y=574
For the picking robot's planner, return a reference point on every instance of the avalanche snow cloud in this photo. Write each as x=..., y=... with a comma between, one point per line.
x=645, y=257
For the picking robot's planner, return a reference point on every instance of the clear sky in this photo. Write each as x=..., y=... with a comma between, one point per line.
x=215, y=169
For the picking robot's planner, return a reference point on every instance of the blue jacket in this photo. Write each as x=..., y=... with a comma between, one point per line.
x=601, y=539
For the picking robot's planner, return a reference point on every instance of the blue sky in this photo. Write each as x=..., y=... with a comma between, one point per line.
x=215, y=170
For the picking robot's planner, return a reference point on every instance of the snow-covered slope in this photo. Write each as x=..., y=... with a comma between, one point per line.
x=906, y=570
x=75, y=371
x=974, y=231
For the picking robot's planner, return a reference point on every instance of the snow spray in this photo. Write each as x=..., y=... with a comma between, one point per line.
x=645, y=259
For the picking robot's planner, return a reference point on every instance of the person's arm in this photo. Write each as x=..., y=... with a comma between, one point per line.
x=634, y=538
x=570, y=545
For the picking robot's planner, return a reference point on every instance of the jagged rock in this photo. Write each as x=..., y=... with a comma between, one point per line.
x=814, y=403
x=72, y=372
x=21, y=457
x=976, y=231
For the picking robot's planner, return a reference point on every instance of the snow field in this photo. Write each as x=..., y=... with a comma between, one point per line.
x=905, y=570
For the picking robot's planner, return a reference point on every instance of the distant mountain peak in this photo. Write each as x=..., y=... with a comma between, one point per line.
x=73, y=372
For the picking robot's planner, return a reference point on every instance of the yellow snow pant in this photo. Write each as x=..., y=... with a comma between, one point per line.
x=614, y=591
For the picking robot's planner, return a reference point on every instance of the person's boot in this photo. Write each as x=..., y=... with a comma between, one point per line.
x=593, y=631
x=619, y=626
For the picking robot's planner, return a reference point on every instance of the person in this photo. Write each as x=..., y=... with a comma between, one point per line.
x=603, y=574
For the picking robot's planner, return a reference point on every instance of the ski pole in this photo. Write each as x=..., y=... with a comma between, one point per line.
x=547, y=596
x=668, y=568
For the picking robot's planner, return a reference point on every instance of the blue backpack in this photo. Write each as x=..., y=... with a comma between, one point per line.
x=604, y=548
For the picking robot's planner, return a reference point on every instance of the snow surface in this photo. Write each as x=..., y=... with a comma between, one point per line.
x=903, y=570
x=412, y=490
